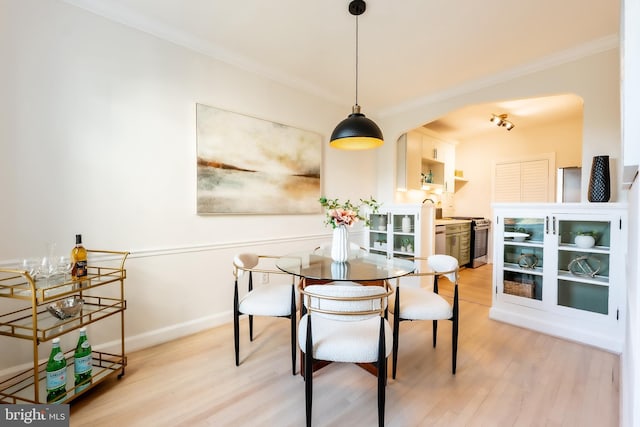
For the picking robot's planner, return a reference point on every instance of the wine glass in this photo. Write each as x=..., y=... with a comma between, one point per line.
x=63, y=266
x=31, y=266
x=48, y=265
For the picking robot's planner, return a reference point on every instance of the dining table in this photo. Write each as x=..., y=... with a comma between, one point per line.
x=364, y=267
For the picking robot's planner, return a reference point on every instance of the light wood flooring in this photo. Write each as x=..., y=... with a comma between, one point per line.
x=507, y=376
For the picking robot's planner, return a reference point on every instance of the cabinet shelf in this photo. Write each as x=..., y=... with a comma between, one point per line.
x=530, y=243
x=517, y=269
x=573, y=248
x=21, y=387
x=35, y=323
x=596, y=280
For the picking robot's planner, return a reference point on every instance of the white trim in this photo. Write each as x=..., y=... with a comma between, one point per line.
x=144, y=340
x=206, y=247
x=529, y=318
x=559, y=58
x=122, y=15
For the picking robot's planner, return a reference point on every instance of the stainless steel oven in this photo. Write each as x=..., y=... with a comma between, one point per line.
x=479, y=242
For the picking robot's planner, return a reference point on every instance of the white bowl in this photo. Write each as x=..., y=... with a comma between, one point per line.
x=585, y=242
x=517, y=237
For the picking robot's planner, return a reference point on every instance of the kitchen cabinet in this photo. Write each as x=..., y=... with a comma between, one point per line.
x=409, y=161
x=419, y=152
x=458, y=239
x=441, y=155
x=402, y=231
x=547, y=280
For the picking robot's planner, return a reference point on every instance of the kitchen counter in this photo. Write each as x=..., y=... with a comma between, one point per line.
x=449, y=221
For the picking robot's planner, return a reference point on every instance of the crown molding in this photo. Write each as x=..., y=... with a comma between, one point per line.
x=124, y=16
x=550, y=61
x=128, y=18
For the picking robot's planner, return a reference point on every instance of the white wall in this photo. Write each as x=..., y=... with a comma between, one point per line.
x=476, y=157
x=595, y=78
x=630, y=400
x=97, y=127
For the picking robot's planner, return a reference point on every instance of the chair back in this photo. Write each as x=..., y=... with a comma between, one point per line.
x=244, y=262
x=346, y=302
x=445, y=265
x=254, y=263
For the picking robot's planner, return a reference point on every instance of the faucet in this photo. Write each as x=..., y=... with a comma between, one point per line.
x=431, y=200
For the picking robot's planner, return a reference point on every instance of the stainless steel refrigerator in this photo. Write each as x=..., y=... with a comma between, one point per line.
x=568, y=185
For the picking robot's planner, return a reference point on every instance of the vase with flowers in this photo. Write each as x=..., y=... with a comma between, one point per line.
x=341, y=215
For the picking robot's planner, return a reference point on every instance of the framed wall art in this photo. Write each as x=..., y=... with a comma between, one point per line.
x=253, y=166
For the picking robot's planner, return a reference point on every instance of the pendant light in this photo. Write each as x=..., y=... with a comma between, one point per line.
x=356, y=132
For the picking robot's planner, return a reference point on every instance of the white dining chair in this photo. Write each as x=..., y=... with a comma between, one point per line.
x=413, y=302
x=345, y=323
x=270, y=299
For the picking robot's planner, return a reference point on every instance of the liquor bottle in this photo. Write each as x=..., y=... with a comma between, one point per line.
x=78, y=259
x=56, y=374
x=430, y=177
x=82, y=362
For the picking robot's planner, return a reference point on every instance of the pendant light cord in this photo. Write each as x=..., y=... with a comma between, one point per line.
x=356, y=59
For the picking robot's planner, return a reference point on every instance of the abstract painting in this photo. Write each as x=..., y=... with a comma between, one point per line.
x=252, y=166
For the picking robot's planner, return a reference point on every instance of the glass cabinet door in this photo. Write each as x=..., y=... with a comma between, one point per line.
x=378, y=233
x=522, y=260
x=404, y=234
x=583, y=261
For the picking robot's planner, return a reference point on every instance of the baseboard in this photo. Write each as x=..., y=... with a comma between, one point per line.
x=557, y=327
x=169, y=333
x=144, y=340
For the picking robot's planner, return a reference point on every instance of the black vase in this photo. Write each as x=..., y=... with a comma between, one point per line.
x=599, y=182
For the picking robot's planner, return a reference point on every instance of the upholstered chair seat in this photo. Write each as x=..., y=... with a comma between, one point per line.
x=269, y=299
x=413, y=302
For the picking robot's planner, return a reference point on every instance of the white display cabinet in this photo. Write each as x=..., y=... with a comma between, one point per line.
x=402, y=231
x=549, y=277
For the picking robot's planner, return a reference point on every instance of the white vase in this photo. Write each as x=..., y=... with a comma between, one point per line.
x=340, y=244
x=339, y=270
x=406, y=224
x=585, y=242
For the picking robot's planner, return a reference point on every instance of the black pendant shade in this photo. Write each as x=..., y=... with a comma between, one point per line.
x=356, y=132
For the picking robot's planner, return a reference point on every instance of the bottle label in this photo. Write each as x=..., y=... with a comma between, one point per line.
x=57, y=379
x=58, y=357
x=79, y=269
x=85, y=344
x=82, y=364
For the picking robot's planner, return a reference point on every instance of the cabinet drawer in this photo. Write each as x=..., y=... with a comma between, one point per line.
x=454, y=228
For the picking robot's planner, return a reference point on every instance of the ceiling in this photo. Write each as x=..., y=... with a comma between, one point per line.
x=409, y=50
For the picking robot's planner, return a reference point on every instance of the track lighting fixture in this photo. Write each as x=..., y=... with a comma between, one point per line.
x=501, y=120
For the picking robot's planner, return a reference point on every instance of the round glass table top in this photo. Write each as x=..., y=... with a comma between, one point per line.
x=364, y=267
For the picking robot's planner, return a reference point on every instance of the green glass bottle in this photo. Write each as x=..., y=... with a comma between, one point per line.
x=56, y=374
x=82, y=362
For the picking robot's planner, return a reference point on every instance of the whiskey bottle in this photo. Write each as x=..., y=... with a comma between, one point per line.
x=56, y=374
x=78, y=259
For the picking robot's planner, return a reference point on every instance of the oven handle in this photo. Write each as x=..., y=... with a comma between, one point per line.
x=481, y=227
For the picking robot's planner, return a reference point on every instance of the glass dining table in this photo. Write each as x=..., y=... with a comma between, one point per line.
x=365, y=268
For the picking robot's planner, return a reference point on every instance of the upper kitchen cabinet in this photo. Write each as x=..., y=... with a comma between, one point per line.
x=409, y=155
x=422, y=154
